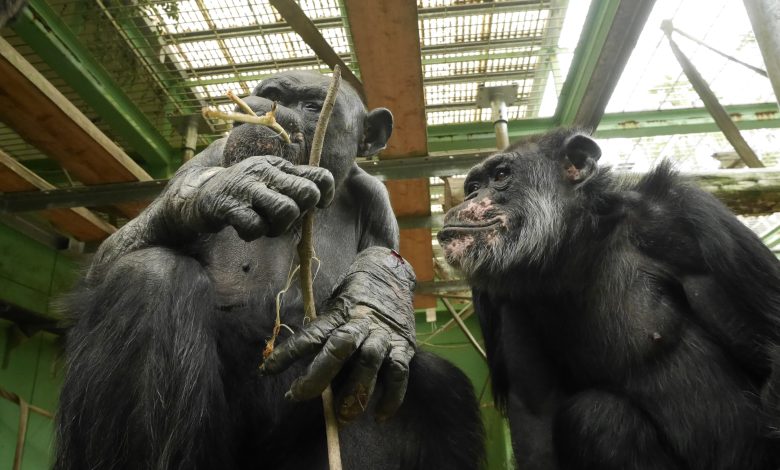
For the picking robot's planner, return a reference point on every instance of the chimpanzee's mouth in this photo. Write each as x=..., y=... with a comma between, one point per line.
x=457, y=229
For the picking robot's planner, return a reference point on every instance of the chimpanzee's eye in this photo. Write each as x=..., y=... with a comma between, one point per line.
x=312, y=106
x=471, y=188
x=501, y=174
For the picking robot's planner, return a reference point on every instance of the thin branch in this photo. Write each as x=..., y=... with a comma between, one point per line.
x=268, y=119
x=305, y=255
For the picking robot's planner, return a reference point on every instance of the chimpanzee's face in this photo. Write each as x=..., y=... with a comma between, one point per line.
x=510, y=214
x=516, y=205
x=299, y=98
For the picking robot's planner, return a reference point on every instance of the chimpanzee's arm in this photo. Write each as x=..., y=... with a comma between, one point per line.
x=729, y=279
x=378, y=224
x=257, y=196
x=369, y=317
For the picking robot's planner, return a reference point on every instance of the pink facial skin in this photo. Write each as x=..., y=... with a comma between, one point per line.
x=476, y=211
x=457, y=247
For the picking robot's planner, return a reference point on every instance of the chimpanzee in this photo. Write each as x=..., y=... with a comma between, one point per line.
x=175, y=310
x=630, y=323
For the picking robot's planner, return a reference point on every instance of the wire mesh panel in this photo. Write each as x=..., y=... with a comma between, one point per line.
x=466, y=44
x=188, y=54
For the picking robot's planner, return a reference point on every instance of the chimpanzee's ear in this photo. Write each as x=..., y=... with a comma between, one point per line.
x=580, y=154
x=376, y=131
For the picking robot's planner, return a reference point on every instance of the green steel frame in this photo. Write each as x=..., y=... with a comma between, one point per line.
x=41, y=28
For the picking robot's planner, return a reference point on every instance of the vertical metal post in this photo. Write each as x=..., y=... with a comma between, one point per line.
x=498, y=98
x=190, y=139
x=765, y=18
x=500, y=124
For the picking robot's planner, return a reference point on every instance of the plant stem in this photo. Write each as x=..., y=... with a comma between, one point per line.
x=305, y=255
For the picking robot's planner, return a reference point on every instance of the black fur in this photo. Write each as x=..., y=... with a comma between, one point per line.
x=629, y=323
x=171, y=320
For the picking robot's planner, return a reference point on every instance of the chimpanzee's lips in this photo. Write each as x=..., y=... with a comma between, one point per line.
x=459, y=228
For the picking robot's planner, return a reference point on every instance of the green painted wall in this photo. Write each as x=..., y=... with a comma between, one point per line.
x=455, y=347
x=29, y=367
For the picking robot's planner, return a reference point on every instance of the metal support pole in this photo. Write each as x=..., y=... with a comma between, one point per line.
x=500, y=124
x=719, y=114
x=190, y=140
x=765, y=17
x=498, y=98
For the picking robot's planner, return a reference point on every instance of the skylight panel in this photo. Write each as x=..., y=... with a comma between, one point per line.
x=451, y=93
x=653, y=78
x=315, y=9
x=248, y=49
x=452, y=116
x=287, y=45
x=189, y=18
x=337, y=38
x=518, y=24
x=230, y=13
x=202, y=54
x=456, y=29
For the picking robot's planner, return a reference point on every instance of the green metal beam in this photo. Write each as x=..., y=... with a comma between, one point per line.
x=479, y=136
x=44, y=31
x=594, y=34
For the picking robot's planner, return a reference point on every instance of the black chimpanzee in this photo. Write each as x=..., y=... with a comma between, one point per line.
x=630, y=323
x=174, y=313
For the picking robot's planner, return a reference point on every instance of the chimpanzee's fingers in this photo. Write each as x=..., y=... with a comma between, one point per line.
x=248, y=224
x=357, y=391
x=279, y=211
x=395, y=377
x=303, y=343
x=320, y=177
x=328, y=362
x=305, y=193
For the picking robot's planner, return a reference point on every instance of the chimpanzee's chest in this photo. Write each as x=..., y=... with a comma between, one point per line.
x=605, y=335
x=254, y=273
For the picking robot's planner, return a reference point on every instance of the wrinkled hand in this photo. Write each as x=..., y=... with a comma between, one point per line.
x=258, y=196
x=370, y=317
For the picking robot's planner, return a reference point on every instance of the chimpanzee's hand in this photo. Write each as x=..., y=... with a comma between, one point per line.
x=369, y=316
x=258, y=196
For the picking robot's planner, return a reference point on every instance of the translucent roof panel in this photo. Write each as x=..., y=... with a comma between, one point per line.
x=653, y=78
x=466, y=44
x=211, y=46
x=690, y=152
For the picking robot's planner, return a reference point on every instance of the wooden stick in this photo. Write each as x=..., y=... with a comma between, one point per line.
x=267, y=119
x=305, y=255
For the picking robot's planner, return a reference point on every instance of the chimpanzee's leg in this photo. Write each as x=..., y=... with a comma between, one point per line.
x=598, y=430
x=143, y=389
x=442, y=417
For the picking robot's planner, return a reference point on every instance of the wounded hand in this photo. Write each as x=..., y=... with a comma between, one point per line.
x=369, y=317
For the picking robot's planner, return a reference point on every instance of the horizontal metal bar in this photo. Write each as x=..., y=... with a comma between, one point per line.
x=84, y=196
x=252, y=30
x=487, y=7
x=441, y=287
x=479, y=77
x=472, y=46
x=256, y=67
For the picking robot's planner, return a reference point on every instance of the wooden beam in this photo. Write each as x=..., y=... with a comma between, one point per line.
x=387, y=45
x=78, y=222
x=300, y=23
x=411, y=198
x=45, y=118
